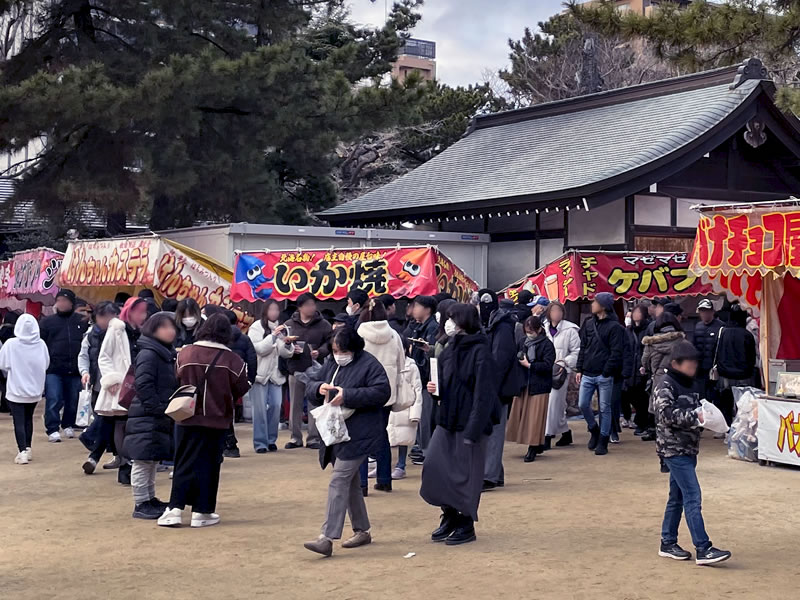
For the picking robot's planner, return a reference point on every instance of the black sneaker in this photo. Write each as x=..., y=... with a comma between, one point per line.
x=159, y=504
x=292, y=445
x=418, y=460
x=383, y=487
x=272, y=448
x=463, y=534
x=261, y=450
x=231, y=453
x=147, y=510
x=488, y=485
x=650, y=436
x=594, y=437
x=674, y=552
x=712, y=556
x=313, y=446
x=639, y=432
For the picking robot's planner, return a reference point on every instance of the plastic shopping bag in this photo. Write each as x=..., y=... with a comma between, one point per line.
x=331, y=424
x=713, y=418
x=84, y=408
x=742, y=439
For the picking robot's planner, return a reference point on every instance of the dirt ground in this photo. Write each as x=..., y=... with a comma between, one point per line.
x=569, y=526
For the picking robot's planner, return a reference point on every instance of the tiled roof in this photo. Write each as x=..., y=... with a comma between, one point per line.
x=557, y=148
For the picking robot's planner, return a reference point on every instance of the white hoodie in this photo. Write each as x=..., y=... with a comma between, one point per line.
x=25, y=359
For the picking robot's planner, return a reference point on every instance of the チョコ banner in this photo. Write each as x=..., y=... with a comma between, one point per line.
x=628, y=275
x=97, y=269
x=330, y=274
x=32, y=275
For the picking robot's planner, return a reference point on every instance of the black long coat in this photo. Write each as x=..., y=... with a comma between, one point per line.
x=541, y=355
x=148, y=433
x=366, y=389
x=468, y=387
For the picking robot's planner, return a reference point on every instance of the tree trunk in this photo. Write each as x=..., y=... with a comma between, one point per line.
x=116, y=223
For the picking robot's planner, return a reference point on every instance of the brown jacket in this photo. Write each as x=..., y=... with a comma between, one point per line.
x=226, y=382
x=316, y=333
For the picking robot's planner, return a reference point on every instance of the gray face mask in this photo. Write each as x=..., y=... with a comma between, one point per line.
x=531, y=336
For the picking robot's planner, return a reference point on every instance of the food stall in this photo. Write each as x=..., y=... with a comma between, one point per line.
x=30, y=277
x=753, y=251
x=329, y=274
x=99, y=269
x=579, y=274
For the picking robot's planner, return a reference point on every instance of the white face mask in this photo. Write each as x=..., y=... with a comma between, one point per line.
x=350, y=309
x=628, y=321
x=189, y=322
x=450, y=328
x=437, y=316
x=343, y=359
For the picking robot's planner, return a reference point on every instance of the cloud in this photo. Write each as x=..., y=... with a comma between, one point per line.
x=471, y=35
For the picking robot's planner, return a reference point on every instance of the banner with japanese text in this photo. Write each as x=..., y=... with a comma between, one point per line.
x=330, y=274
x=98, y=269
x=32, y=275
x=779, y=431
x=627, y=275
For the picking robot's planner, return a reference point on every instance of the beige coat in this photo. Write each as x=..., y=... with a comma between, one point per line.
x=402, y=428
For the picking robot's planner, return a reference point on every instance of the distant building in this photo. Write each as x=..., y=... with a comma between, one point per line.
x=416, y=55
x=643, y=7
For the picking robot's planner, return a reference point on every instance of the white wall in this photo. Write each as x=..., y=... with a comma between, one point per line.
x=212, y=241
x=652, y=210
x=510, y=261
x=549, y=250
x=604, y=225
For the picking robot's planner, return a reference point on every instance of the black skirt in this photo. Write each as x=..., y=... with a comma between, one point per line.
x=452, y=474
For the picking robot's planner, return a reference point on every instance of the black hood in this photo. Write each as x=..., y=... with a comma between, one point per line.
x=165, y=352
x=487, y=308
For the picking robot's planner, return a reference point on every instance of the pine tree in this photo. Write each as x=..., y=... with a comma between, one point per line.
x=188, y=111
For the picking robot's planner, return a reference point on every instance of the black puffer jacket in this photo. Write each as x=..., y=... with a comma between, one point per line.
x=602, y=347
x=705, y=340
x=148, y=432
x=366, y=389
x=504, y=350
x=63, y=334
x=541, y=354
x=736, y=353
x=243, y=347
x=468, y=385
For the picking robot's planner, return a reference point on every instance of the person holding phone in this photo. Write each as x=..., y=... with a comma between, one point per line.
x=353, y=379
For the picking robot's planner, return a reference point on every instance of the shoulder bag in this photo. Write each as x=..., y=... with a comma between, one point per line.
x=713, y=374
x=183, y=401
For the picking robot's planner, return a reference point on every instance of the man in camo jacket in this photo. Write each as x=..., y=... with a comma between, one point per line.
x=679, y=421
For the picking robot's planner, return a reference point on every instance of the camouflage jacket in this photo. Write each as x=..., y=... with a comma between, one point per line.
x=677, y=425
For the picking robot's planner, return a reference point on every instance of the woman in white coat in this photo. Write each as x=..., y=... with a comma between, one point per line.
x=385, y=344
x=117, y=353
x=402, y=428
x=566, y=339
x=269, y=340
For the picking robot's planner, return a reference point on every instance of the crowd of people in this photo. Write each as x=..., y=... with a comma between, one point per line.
x=446, y=385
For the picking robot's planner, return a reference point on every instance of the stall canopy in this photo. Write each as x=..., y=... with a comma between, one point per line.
x=753, y=252
x=32, y=275
x=582, y=274
x=99, y=269
x=330, y=274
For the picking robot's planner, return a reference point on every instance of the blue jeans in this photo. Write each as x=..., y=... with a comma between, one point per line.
x=605, y=389
x=266, y=399
x=402, y=454
x=60, y=392
x=684, y=496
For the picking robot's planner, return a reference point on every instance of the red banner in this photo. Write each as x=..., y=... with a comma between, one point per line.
x=578, y=274
x=329, y=274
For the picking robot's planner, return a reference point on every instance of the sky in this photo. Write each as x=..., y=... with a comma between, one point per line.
x=471, y=35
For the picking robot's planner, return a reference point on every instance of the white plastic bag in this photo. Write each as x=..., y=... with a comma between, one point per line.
x=331, y=424
x=713, y=418
x=84, y=408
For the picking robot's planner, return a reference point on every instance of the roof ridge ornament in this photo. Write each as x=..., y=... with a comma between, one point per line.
x=752, y=68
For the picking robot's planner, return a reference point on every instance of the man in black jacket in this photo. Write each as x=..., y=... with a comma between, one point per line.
x=736, y=359
x=706, y=334
x=500, y=330
x=62, y=333
x=423, y=328
x=600, y=361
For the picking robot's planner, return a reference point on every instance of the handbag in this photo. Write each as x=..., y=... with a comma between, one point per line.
x=560, y=373
x=127, y=389
x=713, y=374
x=183, y=402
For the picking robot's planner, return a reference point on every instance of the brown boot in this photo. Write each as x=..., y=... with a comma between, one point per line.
x=321, y=545
x=360, y=538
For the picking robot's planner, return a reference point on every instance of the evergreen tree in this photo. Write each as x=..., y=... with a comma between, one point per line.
x=187, y=111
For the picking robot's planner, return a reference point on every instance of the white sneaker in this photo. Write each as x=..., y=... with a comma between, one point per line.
x=204, y=519
x=171, y=473
x=171, y=518
x=373, y=473
x=69, y=432
x=29, y=454
x=398, y=473
x=54, y=437
x=22, y=458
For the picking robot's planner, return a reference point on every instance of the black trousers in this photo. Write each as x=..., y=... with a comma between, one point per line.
x=102, y=433
x=639, y=399
x=195, y=479
x=22, y=414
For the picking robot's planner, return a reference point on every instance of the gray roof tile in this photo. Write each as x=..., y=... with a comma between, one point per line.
x=547, y=154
